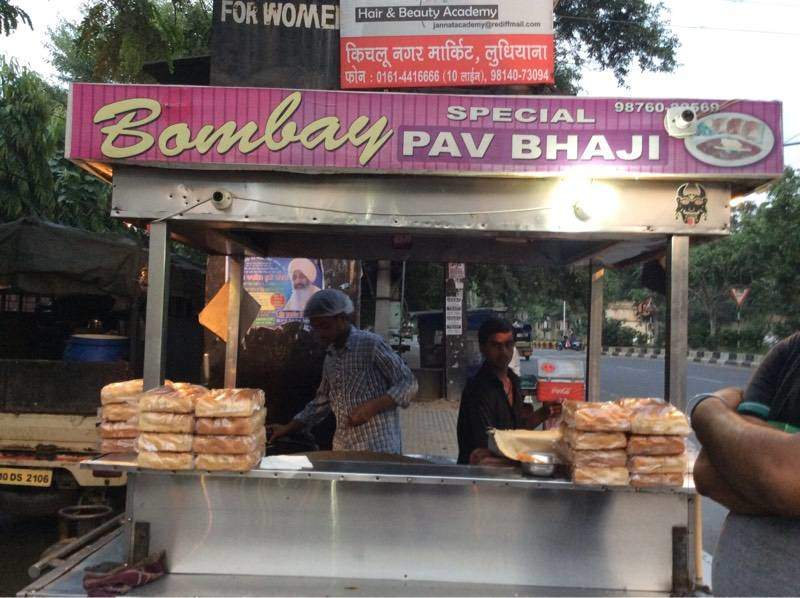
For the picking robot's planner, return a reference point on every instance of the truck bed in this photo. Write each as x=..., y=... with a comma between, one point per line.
x=56, y=387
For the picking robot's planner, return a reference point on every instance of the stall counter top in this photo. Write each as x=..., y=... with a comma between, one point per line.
x=389, y=472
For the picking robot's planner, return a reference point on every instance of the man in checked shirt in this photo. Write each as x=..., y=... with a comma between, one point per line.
x=363, y=381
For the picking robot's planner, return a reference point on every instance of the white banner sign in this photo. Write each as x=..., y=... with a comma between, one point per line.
x=454, y=300
x=435, y=43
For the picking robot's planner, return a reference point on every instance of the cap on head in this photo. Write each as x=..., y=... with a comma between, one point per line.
x=328, y=302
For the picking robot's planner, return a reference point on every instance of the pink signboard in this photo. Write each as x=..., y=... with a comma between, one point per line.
x=333, y=131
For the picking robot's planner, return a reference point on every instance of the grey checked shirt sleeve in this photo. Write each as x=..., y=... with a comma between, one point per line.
x=319, y=407
x=402, y=384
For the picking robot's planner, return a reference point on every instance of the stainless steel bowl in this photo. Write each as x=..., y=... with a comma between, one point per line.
x=541, y=465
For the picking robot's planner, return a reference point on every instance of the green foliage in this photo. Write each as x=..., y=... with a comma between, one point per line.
x=762, y=253
x=35, y=178
x=775, y=256
x=537, y=291
x=612, y=35
x=116, y=37
x=616, y=334
x=10, y=17
x=424, y=286
x=72, y=60
x=28, y=137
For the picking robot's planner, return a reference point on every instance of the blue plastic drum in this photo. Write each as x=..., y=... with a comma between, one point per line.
x=96, y=347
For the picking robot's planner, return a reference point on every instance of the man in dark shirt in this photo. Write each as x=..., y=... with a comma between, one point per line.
x=492, y=398
x=776, y=382
x=751, y=468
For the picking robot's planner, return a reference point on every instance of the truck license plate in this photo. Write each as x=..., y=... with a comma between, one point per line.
x=26, y=477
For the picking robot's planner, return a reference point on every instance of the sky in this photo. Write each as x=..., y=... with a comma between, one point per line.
x=730, y=49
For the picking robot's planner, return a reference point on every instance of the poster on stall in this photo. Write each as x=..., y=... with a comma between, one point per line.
x=445, y=43
x=282, y=287
x=454, y=300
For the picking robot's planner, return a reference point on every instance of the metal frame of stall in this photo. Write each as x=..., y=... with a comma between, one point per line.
x=344, y=528
x=650, y=533
x=234, y=235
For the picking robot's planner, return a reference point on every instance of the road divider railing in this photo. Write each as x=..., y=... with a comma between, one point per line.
x=703, y=356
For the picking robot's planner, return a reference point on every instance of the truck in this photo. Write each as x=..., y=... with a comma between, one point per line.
x=56, y=281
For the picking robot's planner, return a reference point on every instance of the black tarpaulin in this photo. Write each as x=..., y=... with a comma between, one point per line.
x=40, y=257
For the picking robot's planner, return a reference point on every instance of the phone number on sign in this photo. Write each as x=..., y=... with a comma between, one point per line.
x=661, y=106
x=524, y=75
x=387, y=77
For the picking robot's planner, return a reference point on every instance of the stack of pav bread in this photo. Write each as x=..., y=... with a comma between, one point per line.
x=594, y=436
x=640, y=442
x=184, y=426
x=166, y=426
x=657, y=443
x=229, y=430
x=119, y=416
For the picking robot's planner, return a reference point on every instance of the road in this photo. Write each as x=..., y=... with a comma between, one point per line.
x=636, y=377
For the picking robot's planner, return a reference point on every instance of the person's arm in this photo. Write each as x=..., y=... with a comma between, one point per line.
x=533, y=418
x=313, y=413
x=757, y=462
x=402, y=383
x=710, y=483
x=402, y=386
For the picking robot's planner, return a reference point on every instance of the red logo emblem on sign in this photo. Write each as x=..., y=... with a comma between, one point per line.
x=548, y=367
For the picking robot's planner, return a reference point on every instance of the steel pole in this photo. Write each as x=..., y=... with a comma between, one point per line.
x=383, y=298
x=157, y=312
x=234, y=266
x=594, y=348
x=677, y=321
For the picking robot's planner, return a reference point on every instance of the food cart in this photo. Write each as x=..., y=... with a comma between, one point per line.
x=527, y=180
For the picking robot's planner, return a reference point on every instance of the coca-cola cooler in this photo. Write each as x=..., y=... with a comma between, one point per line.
x=560, y=380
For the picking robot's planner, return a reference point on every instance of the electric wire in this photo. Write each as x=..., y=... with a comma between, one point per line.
x=405, y=215
x=182, y=211
x=678, y=26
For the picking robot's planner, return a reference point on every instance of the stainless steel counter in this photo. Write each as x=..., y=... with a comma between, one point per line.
x=398, y=473
x=411, y=523
x=67, y=581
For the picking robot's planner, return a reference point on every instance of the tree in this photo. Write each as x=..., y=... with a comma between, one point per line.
x=10, y=17
x=35, y=178
x=538, y=291
x=761, y=253
x=714, y=269
x=116, y=37
x=611, y=35
x=773, y=251
x=28, y=109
